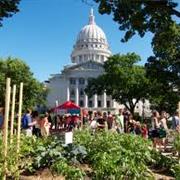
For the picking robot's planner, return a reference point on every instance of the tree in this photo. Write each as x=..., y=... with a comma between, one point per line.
x=123, y=80
x=159, y=18
x=140, y=16
x=34, y=92
x=8, y=8
x=164, y=68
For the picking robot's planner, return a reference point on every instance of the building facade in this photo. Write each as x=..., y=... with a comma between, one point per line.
x=90, y=51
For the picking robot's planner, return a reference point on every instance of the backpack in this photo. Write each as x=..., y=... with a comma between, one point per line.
x=24, y=122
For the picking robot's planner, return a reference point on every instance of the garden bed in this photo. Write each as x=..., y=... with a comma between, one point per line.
x=103, y=155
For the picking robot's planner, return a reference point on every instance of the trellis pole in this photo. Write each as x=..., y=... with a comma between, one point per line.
x=19, y=117
x=6, y=119
x=12, y=112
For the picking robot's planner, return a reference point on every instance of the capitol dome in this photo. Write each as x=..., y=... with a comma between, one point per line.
x=91, y=44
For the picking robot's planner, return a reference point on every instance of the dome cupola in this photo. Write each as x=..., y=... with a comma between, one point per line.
x=91, y=44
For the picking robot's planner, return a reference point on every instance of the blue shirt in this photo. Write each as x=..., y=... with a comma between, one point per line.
x=175, y=122
x=1, y=120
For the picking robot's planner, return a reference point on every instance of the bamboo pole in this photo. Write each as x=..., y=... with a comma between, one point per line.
x=12, y=112
x=19, y=117
x=179, y=108
x=6, y=119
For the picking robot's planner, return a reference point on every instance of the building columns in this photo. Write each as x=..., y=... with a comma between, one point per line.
x=113, y=103
x=85, y=95
x=95, y=101
x=104, y=100
x=68, y=91
x=85, y=101
x=77, y=93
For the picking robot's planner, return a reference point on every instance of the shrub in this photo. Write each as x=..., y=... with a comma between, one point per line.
x=176, y=170
x=114, y=156
x=61, y=167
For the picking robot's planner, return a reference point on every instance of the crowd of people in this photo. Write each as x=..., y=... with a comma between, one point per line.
x=122, y=122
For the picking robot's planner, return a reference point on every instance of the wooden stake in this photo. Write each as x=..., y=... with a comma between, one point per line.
x=19, y=117
x=12, y=112
x=179, y=108
x=6, y=119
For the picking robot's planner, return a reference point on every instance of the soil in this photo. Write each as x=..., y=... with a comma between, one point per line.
x=42, y=175
x=47, y=175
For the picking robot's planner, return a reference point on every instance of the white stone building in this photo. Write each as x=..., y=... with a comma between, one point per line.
x=89, y=53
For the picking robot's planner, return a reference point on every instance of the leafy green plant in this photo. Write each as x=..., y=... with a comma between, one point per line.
x=61, y=167
x=114, y=156
x=161, y=161
x=176, y=144
x=75, y=153
x=42, y=152
x=176, y=170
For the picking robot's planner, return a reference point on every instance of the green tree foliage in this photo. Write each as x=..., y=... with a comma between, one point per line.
x=34, y=92
x=123, y=80
x=159, y=18
x=140, y=16
x=164, y=68
x=8, y=8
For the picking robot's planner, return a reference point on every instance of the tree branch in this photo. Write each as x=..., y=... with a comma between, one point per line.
x=175, y=12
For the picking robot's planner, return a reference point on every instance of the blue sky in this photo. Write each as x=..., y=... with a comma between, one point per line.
x=44, y=31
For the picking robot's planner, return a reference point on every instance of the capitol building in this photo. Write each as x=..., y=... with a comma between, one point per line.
x=90, y=51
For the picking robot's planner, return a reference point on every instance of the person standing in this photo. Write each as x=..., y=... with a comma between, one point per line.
x=101, y=122
x=120, y=121
x=176, y=121
x=109, y=120
x=1, y=118
x=144, y=131
x=48, y=115
x=126, y=115
x=27, y=124
x=155, y=128
x=163, y=129
x=36, y=124
x=45, y=126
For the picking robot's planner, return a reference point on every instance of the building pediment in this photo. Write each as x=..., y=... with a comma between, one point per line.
x=90, y=65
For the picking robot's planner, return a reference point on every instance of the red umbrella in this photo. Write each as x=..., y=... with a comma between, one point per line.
x=66, y=105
